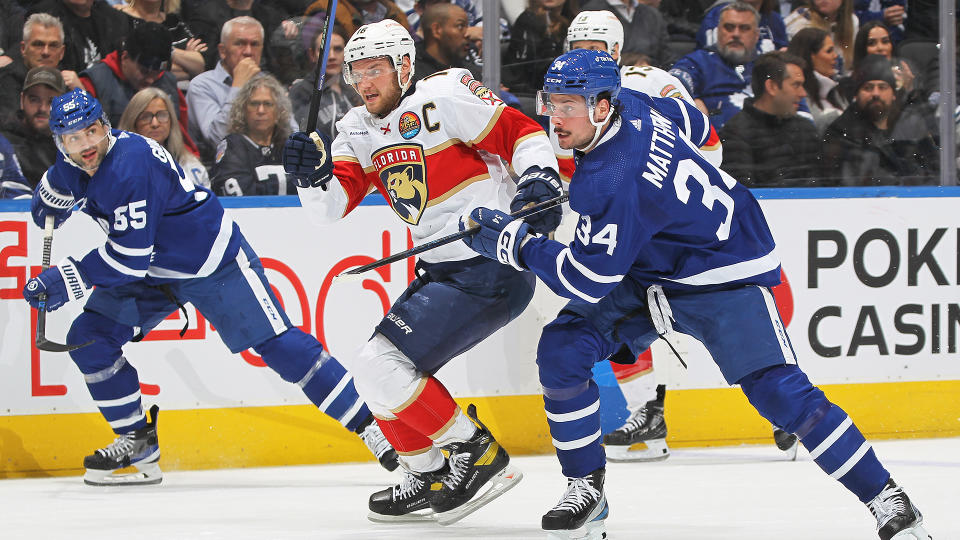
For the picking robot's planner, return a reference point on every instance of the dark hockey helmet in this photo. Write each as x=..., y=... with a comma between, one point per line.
x=74, y=111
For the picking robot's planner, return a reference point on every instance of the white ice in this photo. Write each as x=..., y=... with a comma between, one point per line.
x=741, y=493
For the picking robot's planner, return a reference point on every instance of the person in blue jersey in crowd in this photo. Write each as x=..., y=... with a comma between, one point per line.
x=12, y=182
x=169, y=242
x=665, y=241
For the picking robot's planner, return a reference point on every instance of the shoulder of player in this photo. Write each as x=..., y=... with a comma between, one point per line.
x=447, y=84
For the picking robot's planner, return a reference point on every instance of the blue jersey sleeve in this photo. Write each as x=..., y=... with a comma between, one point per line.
x=690, y=73
x=12, y=182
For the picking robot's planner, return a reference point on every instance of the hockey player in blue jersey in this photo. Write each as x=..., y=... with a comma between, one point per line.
x=665, y=241
x=169, y=242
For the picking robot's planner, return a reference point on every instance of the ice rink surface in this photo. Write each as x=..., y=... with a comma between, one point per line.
x=742, y=493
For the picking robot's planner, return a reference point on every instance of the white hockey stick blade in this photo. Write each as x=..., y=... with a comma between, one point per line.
x=506, y=479
x=147, y=474
x=344, y=277
x=412, y=517
x=656, y=450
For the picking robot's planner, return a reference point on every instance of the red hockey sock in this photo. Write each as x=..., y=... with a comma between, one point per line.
x=628, y=372
x=430, y=410
x=404, y=439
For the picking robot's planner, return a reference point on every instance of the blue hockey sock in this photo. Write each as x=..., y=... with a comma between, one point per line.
x=574, y=418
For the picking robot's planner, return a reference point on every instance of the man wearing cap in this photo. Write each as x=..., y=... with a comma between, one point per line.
x=878, y=140
x=142, y=61
x=29, y=130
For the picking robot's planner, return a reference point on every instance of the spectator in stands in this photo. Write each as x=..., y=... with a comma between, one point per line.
x=773, y=33
x=890, y=12
x=29, y=129
x=207, y=18
x=187, y=60
x=834, y=16
x=143, y=61
x=767, y=144
x=152, y=114
x=445, y=44
x=826, y=102
x=719, y=78
x=42, y=45
x=12, y=182
x=875, y=38
x=536, y=39
x=877, y=140
x=212, y=92
x=352, y=14
x=11, y=30
x=250, y=159
x=93, y=29
x=644, y=28
x=337, y=97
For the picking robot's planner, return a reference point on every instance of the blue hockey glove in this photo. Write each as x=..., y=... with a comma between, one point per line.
x=307, y=159
x=61, y=284
x=50, y=202
x=500, y=236
x=535, y=186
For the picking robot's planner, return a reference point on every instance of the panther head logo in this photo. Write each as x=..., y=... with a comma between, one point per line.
x=407, y=193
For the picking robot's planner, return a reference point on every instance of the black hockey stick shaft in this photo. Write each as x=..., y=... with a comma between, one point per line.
x=321, y=72
x=41, y=341
x=451, y=238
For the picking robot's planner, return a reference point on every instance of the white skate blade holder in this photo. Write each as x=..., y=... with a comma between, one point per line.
x=593, y=530
x=655, y=450
x=413, y=517
x=147, y=474
x=506, y=479
x=791, y=453
x=917, y=532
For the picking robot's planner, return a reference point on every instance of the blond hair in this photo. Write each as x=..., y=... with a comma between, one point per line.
x=138, y=103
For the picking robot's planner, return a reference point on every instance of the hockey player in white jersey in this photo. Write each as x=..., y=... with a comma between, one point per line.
x=665, y=241
x=433, y=151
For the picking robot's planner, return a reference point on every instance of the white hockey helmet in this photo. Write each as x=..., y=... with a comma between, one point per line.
x=385, y=38
x=597, y=26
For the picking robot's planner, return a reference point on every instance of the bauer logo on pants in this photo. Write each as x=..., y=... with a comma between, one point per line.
x=403, y=172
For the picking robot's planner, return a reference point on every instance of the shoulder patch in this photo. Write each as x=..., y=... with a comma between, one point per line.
x=478, y=89
x=221, y=150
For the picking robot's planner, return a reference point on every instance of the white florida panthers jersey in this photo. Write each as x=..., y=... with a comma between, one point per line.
x=434, y=158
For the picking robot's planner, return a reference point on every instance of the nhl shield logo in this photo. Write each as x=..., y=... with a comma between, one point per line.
x=403, y=172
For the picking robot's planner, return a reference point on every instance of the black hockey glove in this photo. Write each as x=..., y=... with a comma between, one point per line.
x=306, y=158
x=535, y=186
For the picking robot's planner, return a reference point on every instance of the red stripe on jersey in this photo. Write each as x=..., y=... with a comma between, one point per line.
x=447, y=170
x=501, y=138
x=404, y=439
x=644, y=364
x=430, y=411
x=567, y=166
x=354, y=181
x=712, y=140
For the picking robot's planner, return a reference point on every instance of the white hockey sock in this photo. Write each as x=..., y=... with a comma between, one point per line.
x=428, y=461
x=638, y=391
x=462, y=430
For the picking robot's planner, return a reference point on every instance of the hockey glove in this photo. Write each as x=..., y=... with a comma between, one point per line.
x=306, y=158
x=50, y=202
x=61, y=284
x=500, y=236
x=535, y=186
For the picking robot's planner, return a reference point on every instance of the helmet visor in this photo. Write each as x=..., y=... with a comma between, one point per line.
x=356, y=76
x=562, y=105
x=77, y=141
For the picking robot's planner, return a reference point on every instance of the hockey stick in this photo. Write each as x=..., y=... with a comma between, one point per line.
x=321, y=73
x=354, y=273
x=42, y=342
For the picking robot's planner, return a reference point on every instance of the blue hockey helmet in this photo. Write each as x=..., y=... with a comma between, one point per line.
x=581, y=72
x=74, y=111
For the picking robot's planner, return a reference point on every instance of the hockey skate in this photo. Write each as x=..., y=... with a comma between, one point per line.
x=409, y=500
x=645, y=426
x=581, y=512
x=372, y=436
x=138, y=449
x=897, y=517
x=787, y=442
x=480, y=472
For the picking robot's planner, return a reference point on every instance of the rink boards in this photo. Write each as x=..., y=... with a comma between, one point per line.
x=875, y=320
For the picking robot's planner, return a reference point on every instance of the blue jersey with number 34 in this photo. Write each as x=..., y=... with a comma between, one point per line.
x=160, y=226
x=654, y=209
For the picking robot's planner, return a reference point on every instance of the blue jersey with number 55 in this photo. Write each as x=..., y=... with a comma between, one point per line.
x=654, y=209
x=160, y=226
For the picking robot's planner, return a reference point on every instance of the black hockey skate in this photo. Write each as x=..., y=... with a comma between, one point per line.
x=646, y=426
x=581, y=512
x=409, y=500
x=372, y=436
x=138, y=448
x=896, y=516
x=786, y=442
x=480, y=472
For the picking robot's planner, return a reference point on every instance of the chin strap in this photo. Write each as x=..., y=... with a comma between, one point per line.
x=599, y=130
